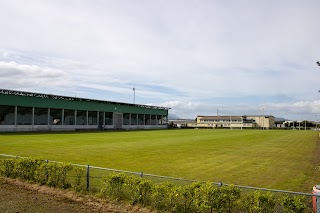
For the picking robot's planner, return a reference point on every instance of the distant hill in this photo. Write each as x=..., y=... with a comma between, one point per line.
x=280, y=119
x=174, y=117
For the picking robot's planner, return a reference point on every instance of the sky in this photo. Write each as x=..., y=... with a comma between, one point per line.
x=198, y=57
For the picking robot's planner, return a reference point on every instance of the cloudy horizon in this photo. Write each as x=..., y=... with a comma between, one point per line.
x=196, y=57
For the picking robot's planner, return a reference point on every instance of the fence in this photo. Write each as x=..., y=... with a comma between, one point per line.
x=252, y=199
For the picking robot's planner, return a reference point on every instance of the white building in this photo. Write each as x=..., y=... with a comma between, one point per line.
x=250, y=121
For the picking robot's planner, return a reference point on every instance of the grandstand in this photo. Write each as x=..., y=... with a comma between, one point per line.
x=28, y=111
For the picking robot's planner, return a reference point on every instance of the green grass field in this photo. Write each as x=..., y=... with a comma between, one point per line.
x=270, y=158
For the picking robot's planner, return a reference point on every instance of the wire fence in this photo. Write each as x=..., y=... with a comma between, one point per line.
x=252, y=199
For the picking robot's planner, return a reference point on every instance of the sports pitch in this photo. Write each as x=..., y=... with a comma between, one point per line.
x=271, y=158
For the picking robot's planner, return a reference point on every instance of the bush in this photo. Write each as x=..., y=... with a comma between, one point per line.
x=57, y=175
x=7, y=167
x=140, y=190
x=25, y=168
x=188, y=197
x=36, y=170
x=259, y=202
x=293, y=204
x=113, y=186
x=161, y=196
x=211, y=198
x=195, y=197
x=41, y=174
x=79, y=184
x=230, y=194
x=132, y=184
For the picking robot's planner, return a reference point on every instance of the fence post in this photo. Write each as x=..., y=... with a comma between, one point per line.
x=88, y=177
x=317, y=202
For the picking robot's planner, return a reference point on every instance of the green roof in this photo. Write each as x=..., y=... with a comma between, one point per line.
x=41, y=100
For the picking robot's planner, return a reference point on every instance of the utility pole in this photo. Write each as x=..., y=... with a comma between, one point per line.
x=318, y=62
x=241, y=120
x=134, y=95
x=305, y=125
x=263, y=117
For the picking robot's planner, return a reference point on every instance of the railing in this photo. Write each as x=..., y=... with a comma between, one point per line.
x=93, y=177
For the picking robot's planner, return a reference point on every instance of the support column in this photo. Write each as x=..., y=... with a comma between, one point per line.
x=98, y=114
x=15, y=115
x=137, y=122
x=87, y=119
x=48, y=117
x=113, y=118
x=130, y=119
x=104, y=119
x=32, y=118
x=62, y=117
x=75, y=117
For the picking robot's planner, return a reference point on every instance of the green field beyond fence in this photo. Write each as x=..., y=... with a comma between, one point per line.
x=271, y=159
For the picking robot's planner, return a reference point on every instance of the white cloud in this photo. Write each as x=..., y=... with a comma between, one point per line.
x=13, y=75
x=297, y=110
x=252, y=51
x=5, y=54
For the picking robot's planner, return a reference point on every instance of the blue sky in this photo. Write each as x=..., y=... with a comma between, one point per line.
x=240, y=57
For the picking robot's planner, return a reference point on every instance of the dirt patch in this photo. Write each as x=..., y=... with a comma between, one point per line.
x=17, y=196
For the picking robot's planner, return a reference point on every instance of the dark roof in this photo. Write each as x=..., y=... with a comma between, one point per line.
x=259, y=115
x=227, y=116
x=220, y=117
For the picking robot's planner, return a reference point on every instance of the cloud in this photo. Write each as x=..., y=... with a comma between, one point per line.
x=296, y=110
x=13, y=75
x=4, y=54
x=198, y=56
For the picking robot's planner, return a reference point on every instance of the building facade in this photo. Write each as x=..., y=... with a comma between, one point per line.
x=263, y=121
x=27, y=111
x=254, y=121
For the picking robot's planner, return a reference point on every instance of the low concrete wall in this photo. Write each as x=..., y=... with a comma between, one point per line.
x=56, y=128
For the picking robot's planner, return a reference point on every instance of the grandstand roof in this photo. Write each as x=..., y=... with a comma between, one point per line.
x=68, y=98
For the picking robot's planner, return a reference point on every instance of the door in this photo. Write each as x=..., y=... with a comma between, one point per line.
x=117, y=120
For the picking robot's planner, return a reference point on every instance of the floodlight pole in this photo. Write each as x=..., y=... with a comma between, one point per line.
x=134, y=95
x=218, y=111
